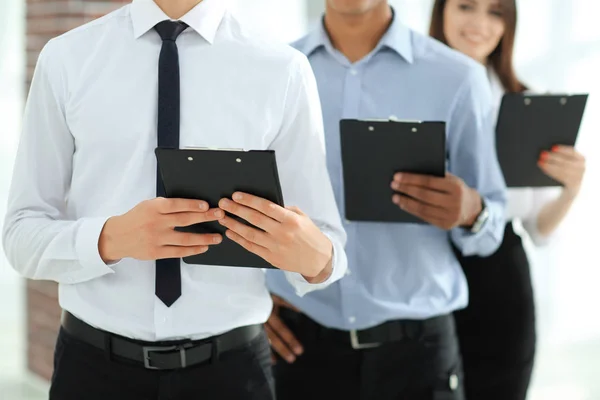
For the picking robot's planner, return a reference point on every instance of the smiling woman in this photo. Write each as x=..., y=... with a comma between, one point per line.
x=484, y=30
x=497, y=330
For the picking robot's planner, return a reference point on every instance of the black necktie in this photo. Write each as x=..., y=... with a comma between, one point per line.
x=168, y=273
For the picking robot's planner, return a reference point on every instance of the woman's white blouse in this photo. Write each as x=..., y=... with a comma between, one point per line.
x=524, y=204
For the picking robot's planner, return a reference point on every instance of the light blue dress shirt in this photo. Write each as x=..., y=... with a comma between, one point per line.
x=404, y=271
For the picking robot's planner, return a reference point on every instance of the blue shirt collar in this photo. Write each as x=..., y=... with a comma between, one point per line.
x=397, y=38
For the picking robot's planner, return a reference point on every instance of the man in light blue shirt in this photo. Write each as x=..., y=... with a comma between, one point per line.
x=385, y=331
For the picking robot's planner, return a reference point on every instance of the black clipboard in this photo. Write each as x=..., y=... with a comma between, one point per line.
x=374, y=150
x=530, y=124
x=213, y=174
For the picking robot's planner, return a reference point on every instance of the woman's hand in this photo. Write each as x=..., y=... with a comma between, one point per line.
x=565, y=165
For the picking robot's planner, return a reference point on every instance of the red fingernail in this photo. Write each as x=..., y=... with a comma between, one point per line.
x=555, y=148
x=544, y=156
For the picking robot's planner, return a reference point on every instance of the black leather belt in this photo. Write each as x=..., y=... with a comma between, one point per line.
x=391, y=331
x=164, y=355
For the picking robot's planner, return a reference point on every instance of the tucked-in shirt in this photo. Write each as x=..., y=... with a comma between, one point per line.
x=524, y=204
x=87, y=153
x=404, y=271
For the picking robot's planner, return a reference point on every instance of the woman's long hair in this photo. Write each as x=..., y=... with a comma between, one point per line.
x=501, y=59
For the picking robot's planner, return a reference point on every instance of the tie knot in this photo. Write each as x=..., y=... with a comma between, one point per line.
x=170, y=30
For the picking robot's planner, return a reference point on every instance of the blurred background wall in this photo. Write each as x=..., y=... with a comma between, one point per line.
x=558, y=49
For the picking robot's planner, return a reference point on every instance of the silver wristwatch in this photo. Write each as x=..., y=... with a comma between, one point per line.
x=481, y=218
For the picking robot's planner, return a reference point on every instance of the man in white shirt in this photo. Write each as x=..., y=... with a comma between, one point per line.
x=83, y=209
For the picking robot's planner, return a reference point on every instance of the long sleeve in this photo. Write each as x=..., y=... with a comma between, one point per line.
x=539, y=198
x=300, y=150
x=39, y=239
x=473, y=158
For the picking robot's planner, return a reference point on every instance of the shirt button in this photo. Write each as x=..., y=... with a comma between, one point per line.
x=353, y=72
x=453, y=382
x=352, y=320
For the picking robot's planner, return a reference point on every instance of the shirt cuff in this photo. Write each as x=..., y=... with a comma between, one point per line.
x=339, y=266
x=86, y=247
x=489, y=238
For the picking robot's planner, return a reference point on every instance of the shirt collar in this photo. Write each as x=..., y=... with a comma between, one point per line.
x=397, y=38
x=205, y=18
x=316, y=39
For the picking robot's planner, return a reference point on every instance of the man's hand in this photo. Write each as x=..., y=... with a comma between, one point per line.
x=282, y=340
x=444, y=202
x=146, y=232
x=287, y=238
x=565, y=165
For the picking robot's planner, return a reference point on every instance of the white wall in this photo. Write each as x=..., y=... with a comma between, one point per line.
x=11, y=95
x=284, y=20
x=12, y=305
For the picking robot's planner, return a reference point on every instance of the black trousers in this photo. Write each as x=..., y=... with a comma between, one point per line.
x=84, y=372
x=417, y=368
x=497, y=330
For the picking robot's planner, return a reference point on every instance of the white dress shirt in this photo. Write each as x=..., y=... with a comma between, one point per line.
x=524, y=204
x=87, y=153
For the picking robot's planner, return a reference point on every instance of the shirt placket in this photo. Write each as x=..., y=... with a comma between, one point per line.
x=348, y=288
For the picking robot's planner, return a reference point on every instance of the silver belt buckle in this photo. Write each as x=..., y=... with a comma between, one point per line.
x=147, y=350
x=356, y=345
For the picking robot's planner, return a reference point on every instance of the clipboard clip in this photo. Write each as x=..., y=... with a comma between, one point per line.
x=392, y=119
x=211, y=148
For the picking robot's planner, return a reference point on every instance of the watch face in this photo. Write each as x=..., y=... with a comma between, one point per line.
x=481, y=219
